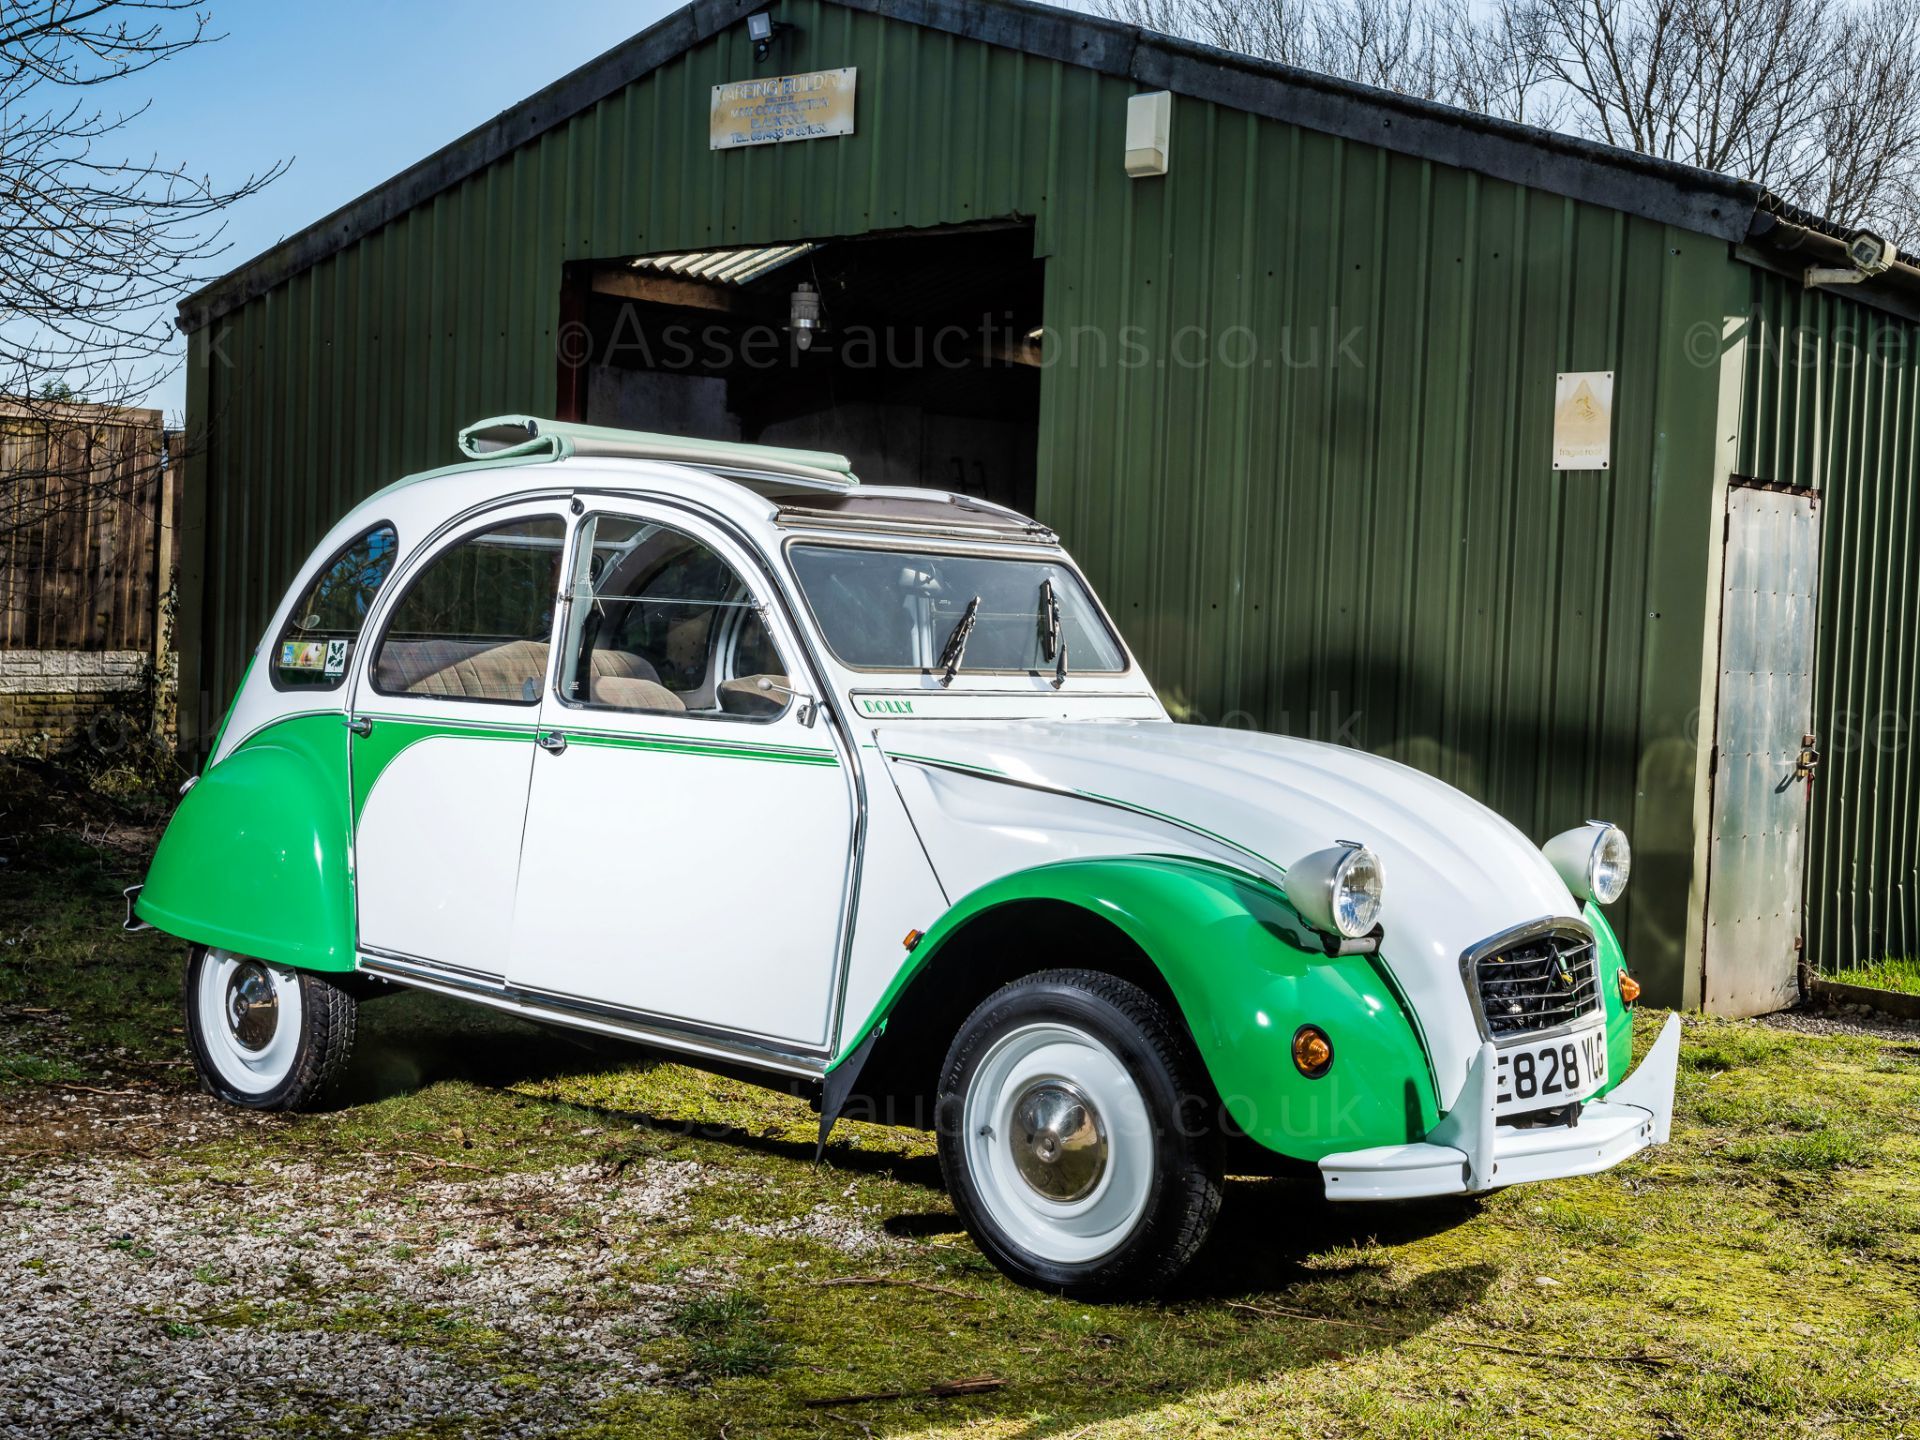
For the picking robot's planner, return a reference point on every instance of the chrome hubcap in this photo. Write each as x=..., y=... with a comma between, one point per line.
x=1059, y=1144
x=253, y=1006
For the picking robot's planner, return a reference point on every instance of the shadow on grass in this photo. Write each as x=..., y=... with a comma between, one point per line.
x=1269, y=1230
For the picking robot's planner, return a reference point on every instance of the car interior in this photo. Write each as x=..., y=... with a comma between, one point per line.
x=659, y=623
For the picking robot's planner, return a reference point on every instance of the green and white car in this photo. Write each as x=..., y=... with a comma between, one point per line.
x=858, y=789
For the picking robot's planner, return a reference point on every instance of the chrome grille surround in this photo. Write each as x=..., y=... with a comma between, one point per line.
x=1535, y=980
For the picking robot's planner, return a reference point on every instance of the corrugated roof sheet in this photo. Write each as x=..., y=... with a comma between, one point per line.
x=725, y=267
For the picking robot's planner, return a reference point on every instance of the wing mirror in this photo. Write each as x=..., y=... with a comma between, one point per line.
x=809, y=707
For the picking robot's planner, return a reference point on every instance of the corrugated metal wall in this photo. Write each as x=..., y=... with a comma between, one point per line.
x=1832, y=401
x=1296, y=411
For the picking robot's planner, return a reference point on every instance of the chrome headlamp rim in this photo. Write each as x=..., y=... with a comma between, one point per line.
x=1318, y=884
x=1595, y=860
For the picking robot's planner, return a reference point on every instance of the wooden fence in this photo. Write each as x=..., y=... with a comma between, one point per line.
x=87, y=560
x=85, y=527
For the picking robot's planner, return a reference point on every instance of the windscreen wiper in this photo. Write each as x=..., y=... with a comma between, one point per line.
x=956, y=645
x=1052, y=647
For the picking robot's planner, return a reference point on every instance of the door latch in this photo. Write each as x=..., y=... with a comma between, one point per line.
x=360, y=725
x=551, y=741
x=1809, y=760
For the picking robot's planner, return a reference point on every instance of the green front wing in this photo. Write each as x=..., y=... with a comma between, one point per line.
x=1247, y=973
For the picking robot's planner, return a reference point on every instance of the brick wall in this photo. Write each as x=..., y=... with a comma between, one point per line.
x=57, y=697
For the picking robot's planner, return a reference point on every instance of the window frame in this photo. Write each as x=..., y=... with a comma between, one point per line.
x=563, y=622
x=488, y=521
x=905, y=545
x=313, y=578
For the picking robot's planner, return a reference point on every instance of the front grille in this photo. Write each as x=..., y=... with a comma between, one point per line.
x=1539, y=982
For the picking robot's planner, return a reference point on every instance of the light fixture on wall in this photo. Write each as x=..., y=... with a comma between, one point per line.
x=805, y=316
x=763, y=30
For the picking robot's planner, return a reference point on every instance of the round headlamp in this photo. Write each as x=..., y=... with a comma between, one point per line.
x=1338, y=890
x=1594, y=860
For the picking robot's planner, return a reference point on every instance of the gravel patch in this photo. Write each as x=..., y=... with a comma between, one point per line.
x=851, y=1232
x=1851, y=1020
x=142, y=1301
x=117, y=1117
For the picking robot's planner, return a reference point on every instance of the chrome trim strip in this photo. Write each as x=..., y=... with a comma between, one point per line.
x=683, y=1036
x=1532, y=930
x=1029, y=534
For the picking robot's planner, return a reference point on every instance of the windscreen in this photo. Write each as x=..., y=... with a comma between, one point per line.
x=897, y=610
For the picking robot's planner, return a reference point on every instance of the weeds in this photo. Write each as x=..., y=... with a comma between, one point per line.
x=728, y=1335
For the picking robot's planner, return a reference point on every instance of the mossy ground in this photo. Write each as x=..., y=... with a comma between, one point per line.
x=1759, y=1276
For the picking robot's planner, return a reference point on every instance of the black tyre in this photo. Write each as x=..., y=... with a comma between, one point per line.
x=264, y=1036
x=1075, y=1135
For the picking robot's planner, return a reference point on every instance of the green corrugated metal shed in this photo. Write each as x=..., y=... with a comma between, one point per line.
x=1359, y=536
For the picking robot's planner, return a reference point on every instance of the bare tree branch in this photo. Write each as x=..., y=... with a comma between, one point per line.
x=95, y=244
x=1818, y=100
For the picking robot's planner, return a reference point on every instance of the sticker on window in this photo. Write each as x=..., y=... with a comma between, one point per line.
x=336, y=658
x=304, y=655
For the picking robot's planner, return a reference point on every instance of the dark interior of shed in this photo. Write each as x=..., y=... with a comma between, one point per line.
x=923, y=367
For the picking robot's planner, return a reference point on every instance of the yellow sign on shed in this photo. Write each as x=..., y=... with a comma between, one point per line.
x=783, y=107
x=1583, y=420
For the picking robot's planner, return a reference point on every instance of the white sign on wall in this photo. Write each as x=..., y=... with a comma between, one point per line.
x=1583, y=420
x=782, y=107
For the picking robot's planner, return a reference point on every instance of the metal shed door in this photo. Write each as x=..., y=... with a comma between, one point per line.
x=1764, y=754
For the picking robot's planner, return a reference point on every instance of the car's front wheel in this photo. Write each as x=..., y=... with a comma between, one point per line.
x=1074, y=1135
x=264, y=1036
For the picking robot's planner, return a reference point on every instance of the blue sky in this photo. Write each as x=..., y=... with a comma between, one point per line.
x=353, y=92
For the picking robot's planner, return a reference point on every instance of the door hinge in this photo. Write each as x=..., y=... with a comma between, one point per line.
x=359, y=724
x=551, y=740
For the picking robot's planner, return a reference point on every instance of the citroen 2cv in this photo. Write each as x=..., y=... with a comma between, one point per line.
x=858, y=789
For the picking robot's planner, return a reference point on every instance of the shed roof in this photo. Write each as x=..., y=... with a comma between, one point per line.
x=1661, y=190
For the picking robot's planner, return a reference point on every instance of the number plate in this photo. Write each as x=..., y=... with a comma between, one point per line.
x=1540, y=1074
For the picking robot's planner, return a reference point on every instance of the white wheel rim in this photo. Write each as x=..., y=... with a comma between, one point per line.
x=1051, y=1069
x=249, y=1020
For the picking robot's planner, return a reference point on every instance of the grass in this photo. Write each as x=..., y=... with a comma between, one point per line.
x=1757, y=1277
x=1901, y=974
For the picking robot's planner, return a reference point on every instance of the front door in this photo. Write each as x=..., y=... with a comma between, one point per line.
x=1764, y=751
x=690, y=821
x=443, y=719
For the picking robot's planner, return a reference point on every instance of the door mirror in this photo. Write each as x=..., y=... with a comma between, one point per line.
x=808, y=707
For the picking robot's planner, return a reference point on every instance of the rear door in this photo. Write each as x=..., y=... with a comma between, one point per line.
x=690, y=822
x=1764, y=751
x=443, y=718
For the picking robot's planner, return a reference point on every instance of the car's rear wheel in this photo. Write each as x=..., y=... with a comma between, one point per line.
x=1074, y=1135
x=265, y=1036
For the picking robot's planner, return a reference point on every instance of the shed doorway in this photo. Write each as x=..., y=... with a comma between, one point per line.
x=1764, y=752
x=915, y=354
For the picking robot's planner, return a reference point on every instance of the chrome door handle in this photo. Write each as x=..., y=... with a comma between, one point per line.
x=360, y=724
x=551, y=740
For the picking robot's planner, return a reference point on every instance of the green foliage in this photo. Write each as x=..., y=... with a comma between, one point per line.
x=729, y=1334
x=1901, y=974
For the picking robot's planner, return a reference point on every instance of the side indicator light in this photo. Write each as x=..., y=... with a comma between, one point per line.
x=1312, y=1051
x=914, y=937
x=1629, y=989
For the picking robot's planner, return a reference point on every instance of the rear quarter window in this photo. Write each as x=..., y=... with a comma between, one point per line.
x=318, y=643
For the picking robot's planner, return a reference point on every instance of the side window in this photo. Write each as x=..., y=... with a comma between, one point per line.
x=317, y=646
x=476, y=623
x=660, y=623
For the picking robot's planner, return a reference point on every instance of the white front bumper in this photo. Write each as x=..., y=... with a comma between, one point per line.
x=1470, y=1151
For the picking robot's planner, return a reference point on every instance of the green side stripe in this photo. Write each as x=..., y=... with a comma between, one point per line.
x=395, y=733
